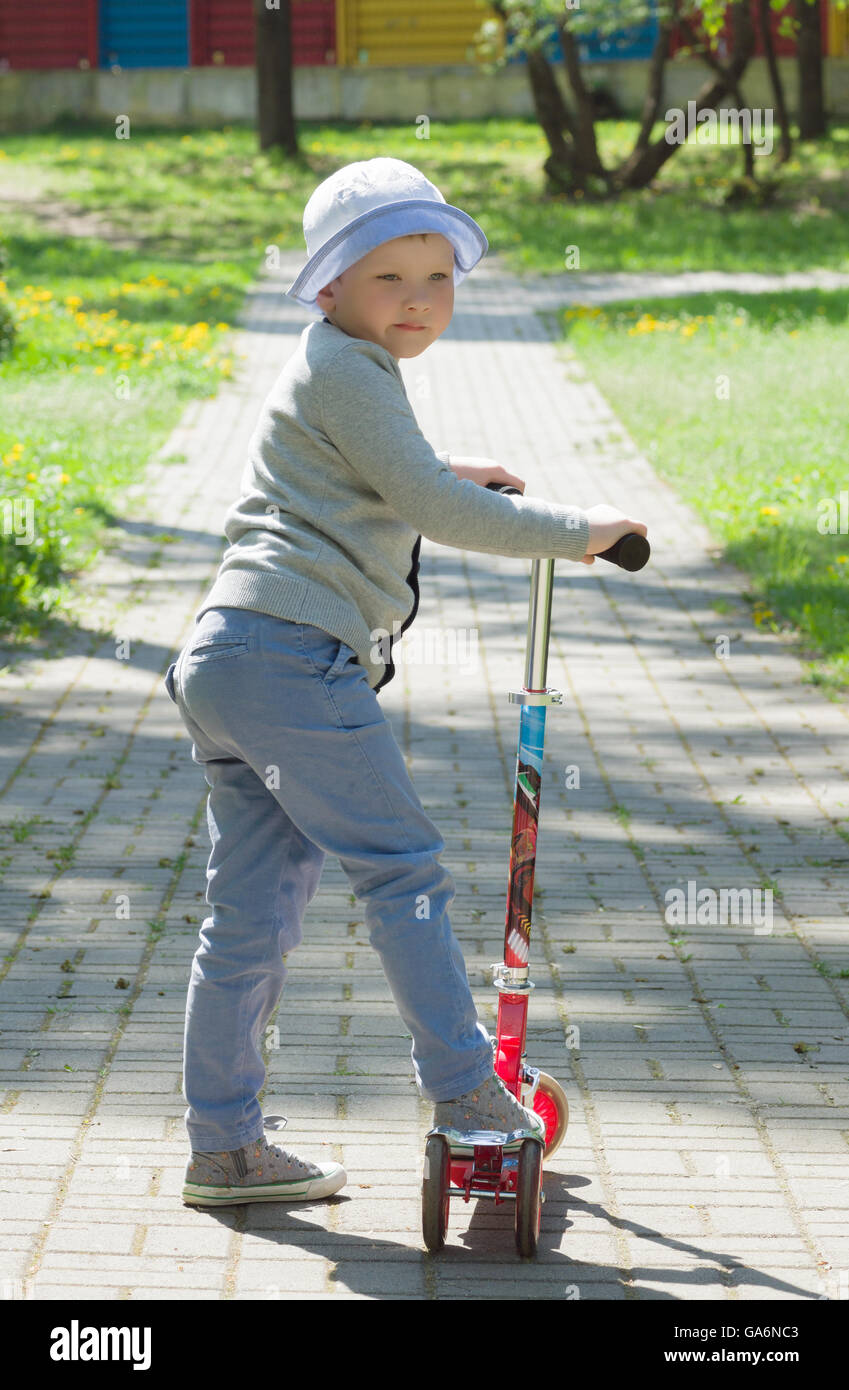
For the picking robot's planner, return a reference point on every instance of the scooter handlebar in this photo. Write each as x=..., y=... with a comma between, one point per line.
x=630, y=552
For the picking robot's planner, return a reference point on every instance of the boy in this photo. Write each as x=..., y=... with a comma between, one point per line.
x=278, y=684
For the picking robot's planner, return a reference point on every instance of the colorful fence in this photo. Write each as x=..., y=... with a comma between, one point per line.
x=349, y=33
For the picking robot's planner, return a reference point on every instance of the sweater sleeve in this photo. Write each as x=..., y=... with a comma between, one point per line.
x=366, y=415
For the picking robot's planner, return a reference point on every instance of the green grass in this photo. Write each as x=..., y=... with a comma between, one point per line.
x=102, y=369
x=760, y=467
x=93, y=388
x=209, y=193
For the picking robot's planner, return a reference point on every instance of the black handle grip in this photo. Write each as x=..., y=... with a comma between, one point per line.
x=630, y=552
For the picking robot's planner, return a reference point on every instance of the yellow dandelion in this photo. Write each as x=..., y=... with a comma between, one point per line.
x=769, y=511
x=64, y=478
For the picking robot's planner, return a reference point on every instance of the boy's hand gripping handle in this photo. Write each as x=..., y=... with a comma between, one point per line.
x=630, y=552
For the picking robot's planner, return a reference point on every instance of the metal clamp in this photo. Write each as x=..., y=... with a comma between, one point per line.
x=511, y=979
x=549, y=696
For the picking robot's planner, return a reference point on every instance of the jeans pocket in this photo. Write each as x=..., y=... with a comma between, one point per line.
x=326, y=654
x=218, y=648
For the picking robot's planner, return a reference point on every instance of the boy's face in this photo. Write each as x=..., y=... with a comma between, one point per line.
x=409, y=280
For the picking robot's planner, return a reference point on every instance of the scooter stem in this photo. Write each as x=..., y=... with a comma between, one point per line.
x=511, y=976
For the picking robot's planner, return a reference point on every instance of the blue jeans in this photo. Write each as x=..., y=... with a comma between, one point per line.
x=301, y=763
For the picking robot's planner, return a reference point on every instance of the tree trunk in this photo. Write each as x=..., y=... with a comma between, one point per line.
x=651, y=104
x=809, y=58
x=553, y=116
x=743, y=37
x=586, y=148
x=650, y=160
x=273, y=31
x=572, y=159
x=785, y=148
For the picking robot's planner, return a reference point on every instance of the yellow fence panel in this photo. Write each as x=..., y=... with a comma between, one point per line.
x=838, y=32
x=400, y=33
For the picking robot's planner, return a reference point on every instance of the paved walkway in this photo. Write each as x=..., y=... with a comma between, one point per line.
x=706, y=1065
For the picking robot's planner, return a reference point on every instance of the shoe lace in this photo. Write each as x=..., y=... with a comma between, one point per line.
x=275, y=1122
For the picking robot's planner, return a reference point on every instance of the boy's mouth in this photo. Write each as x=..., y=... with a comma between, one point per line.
x=411, y=327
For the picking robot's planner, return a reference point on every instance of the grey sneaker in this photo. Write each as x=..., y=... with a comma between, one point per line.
x=490, y=1107
x=258, y=1172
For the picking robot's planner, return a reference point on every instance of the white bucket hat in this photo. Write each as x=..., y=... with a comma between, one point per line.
x=375, y=200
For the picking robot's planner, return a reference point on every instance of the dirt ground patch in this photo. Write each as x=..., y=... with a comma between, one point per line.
x=29, y=192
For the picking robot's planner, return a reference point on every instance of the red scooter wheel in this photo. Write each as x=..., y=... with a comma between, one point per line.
x=551, y=1104
x=435, y=1199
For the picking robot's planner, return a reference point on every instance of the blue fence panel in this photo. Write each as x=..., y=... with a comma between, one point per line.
x=154, y=34
x=638, y=41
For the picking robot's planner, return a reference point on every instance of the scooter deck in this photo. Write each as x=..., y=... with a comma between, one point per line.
x=462, y=1142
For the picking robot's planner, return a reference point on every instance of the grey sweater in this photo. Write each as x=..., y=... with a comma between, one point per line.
x=339, y=488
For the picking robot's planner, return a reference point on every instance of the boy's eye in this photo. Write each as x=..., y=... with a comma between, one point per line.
x=390, y=275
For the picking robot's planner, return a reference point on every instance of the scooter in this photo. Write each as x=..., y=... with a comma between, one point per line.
x=493, y=1164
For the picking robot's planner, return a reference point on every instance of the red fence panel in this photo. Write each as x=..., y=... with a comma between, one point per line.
x=784, y=47
x=222, y=32
x=51, y=34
